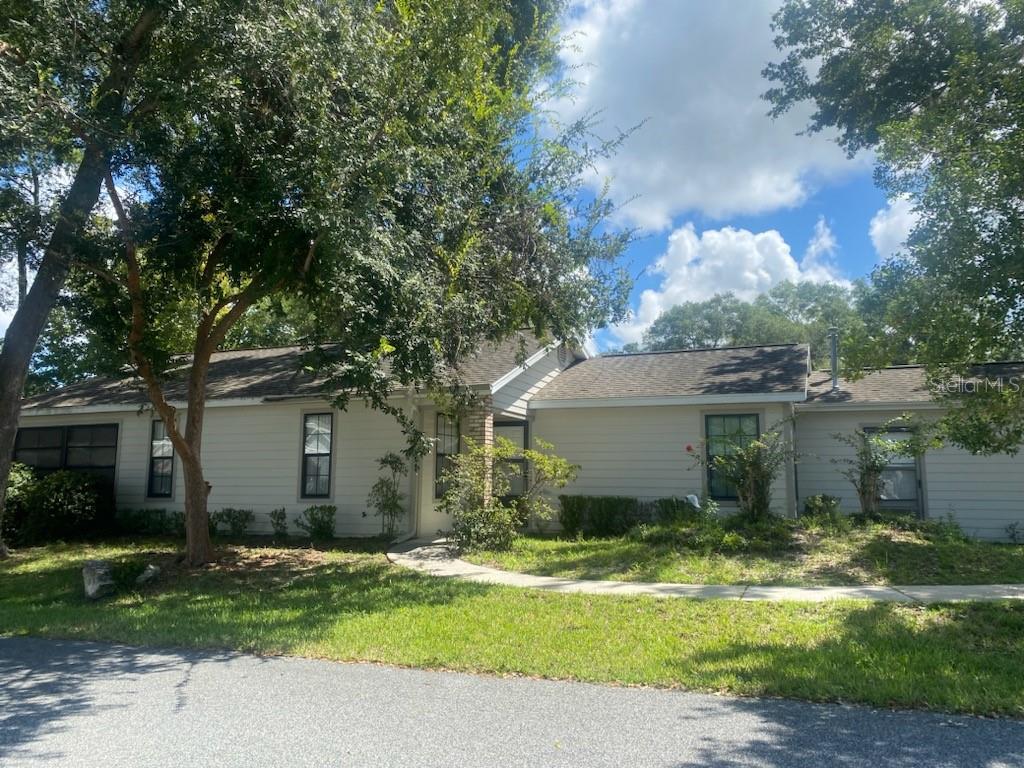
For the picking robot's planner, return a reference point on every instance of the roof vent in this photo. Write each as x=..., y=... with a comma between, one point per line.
x=833, y=338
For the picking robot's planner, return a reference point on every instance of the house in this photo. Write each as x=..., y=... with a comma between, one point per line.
x=630, y=421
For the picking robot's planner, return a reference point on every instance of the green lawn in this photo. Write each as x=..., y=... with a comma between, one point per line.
x=349, y=604
x=873, y=554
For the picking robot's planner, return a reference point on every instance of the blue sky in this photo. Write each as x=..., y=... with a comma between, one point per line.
x=726, y=198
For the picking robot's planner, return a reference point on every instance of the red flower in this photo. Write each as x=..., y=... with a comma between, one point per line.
x=689, y=448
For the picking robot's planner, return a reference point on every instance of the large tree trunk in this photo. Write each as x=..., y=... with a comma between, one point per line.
x=198, y=547
x=31, y=316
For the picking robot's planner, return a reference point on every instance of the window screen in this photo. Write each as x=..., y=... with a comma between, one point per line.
x=447, y=446
x=316, y=454
x=515, y=432
x=161, y=461
x=724, y=434
x=91, y=447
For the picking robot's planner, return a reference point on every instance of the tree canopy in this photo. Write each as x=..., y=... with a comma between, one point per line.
x=936, y=91
x=789, y=312
x=383, y=170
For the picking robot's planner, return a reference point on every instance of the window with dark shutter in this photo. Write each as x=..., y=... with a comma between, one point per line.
x=161, y=462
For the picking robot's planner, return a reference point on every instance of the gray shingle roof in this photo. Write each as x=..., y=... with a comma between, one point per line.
x=751, y=371
x=898, y=384
x=274, y=372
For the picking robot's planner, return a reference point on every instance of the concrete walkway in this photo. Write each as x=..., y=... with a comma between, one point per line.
x=436, y=558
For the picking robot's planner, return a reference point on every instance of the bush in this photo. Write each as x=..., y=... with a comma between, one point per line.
x=279, y=522
x=821, y=505
x=318, y=521
x=386, y=494
x=151, y=522
x=60, y=505
x=236, y=520
x=598, y=515
x=571, y=512
x=821, y=513
x=676, y=511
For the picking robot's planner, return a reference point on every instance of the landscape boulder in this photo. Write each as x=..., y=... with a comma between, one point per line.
x=98, y=579
x=148, y=576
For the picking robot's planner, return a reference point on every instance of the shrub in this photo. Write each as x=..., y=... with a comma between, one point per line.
x=151, y=522
x=236, y=520
x=318, y=521
x=570, y=513
x=386, y=494
x=873, y=452
x=676, y=511
x=821, y=504
x=279, y=522
x=752, y=468
x=19, y=485
x=598, y=515
x=60, y=505
x=479, y=481
x=821, y=513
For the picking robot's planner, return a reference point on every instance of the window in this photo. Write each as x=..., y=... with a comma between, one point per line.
x=724, y=434
x=161, y=461
x=446, y=447
x=514, y=431
x=899, y=478
x=40, y=447
x=87, y=447
x=316, y=455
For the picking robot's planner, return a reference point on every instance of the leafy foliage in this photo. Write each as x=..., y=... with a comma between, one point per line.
x=151, y=522
x=752, y=467
x=279, y=522
x=57, y=506
x=318, y=521
x=789, y=312
x=936, y=91
x=483, y=514
x=873, y=451
x=386, y=494
x=236, y=520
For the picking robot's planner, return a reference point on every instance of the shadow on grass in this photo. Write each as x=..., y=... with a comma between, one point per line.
x=962, y=657
x=251, y=599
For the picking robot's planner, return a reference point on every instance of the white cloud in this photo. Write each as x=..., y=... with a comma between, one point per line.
x=697, y=266
x=693, y=71
x=891, y=226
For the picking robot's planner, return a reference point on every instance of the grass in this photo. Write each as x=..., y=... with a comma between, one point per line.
x=869, y=554
x=349, y=604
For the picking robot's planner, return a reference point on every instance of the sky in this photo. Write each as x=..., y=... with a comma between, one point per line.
x=724, y=197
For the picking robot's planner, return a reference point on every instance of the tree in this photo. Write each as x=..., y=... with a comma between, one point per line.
x=936, y=90
x=696, y=324
x=77, y=81
x=789, y=312
x=383, y=164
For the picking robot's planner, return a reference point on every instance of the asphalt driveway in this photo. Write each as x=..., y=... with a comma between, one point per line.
x=89, y=704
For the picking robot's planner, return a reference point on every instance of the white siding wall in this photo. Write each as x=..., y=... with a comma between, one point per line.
x=512, y=399
x=251, y=457
x=983, y=494
x=641, y=450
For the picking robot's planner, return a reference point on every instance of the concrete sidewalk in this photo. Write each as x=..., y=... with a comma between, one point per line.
x=436, y=558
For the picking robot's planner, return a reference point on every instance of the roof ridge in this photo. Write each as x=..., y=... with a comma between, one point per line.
x=701, y=349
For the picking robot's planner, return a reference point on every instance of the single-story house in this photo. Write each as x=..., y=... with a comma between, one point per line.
x=631, y=421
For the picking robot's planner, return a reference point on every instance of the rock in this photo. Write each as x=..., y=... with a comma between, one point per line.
x=99, y=581
x=149, y=575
